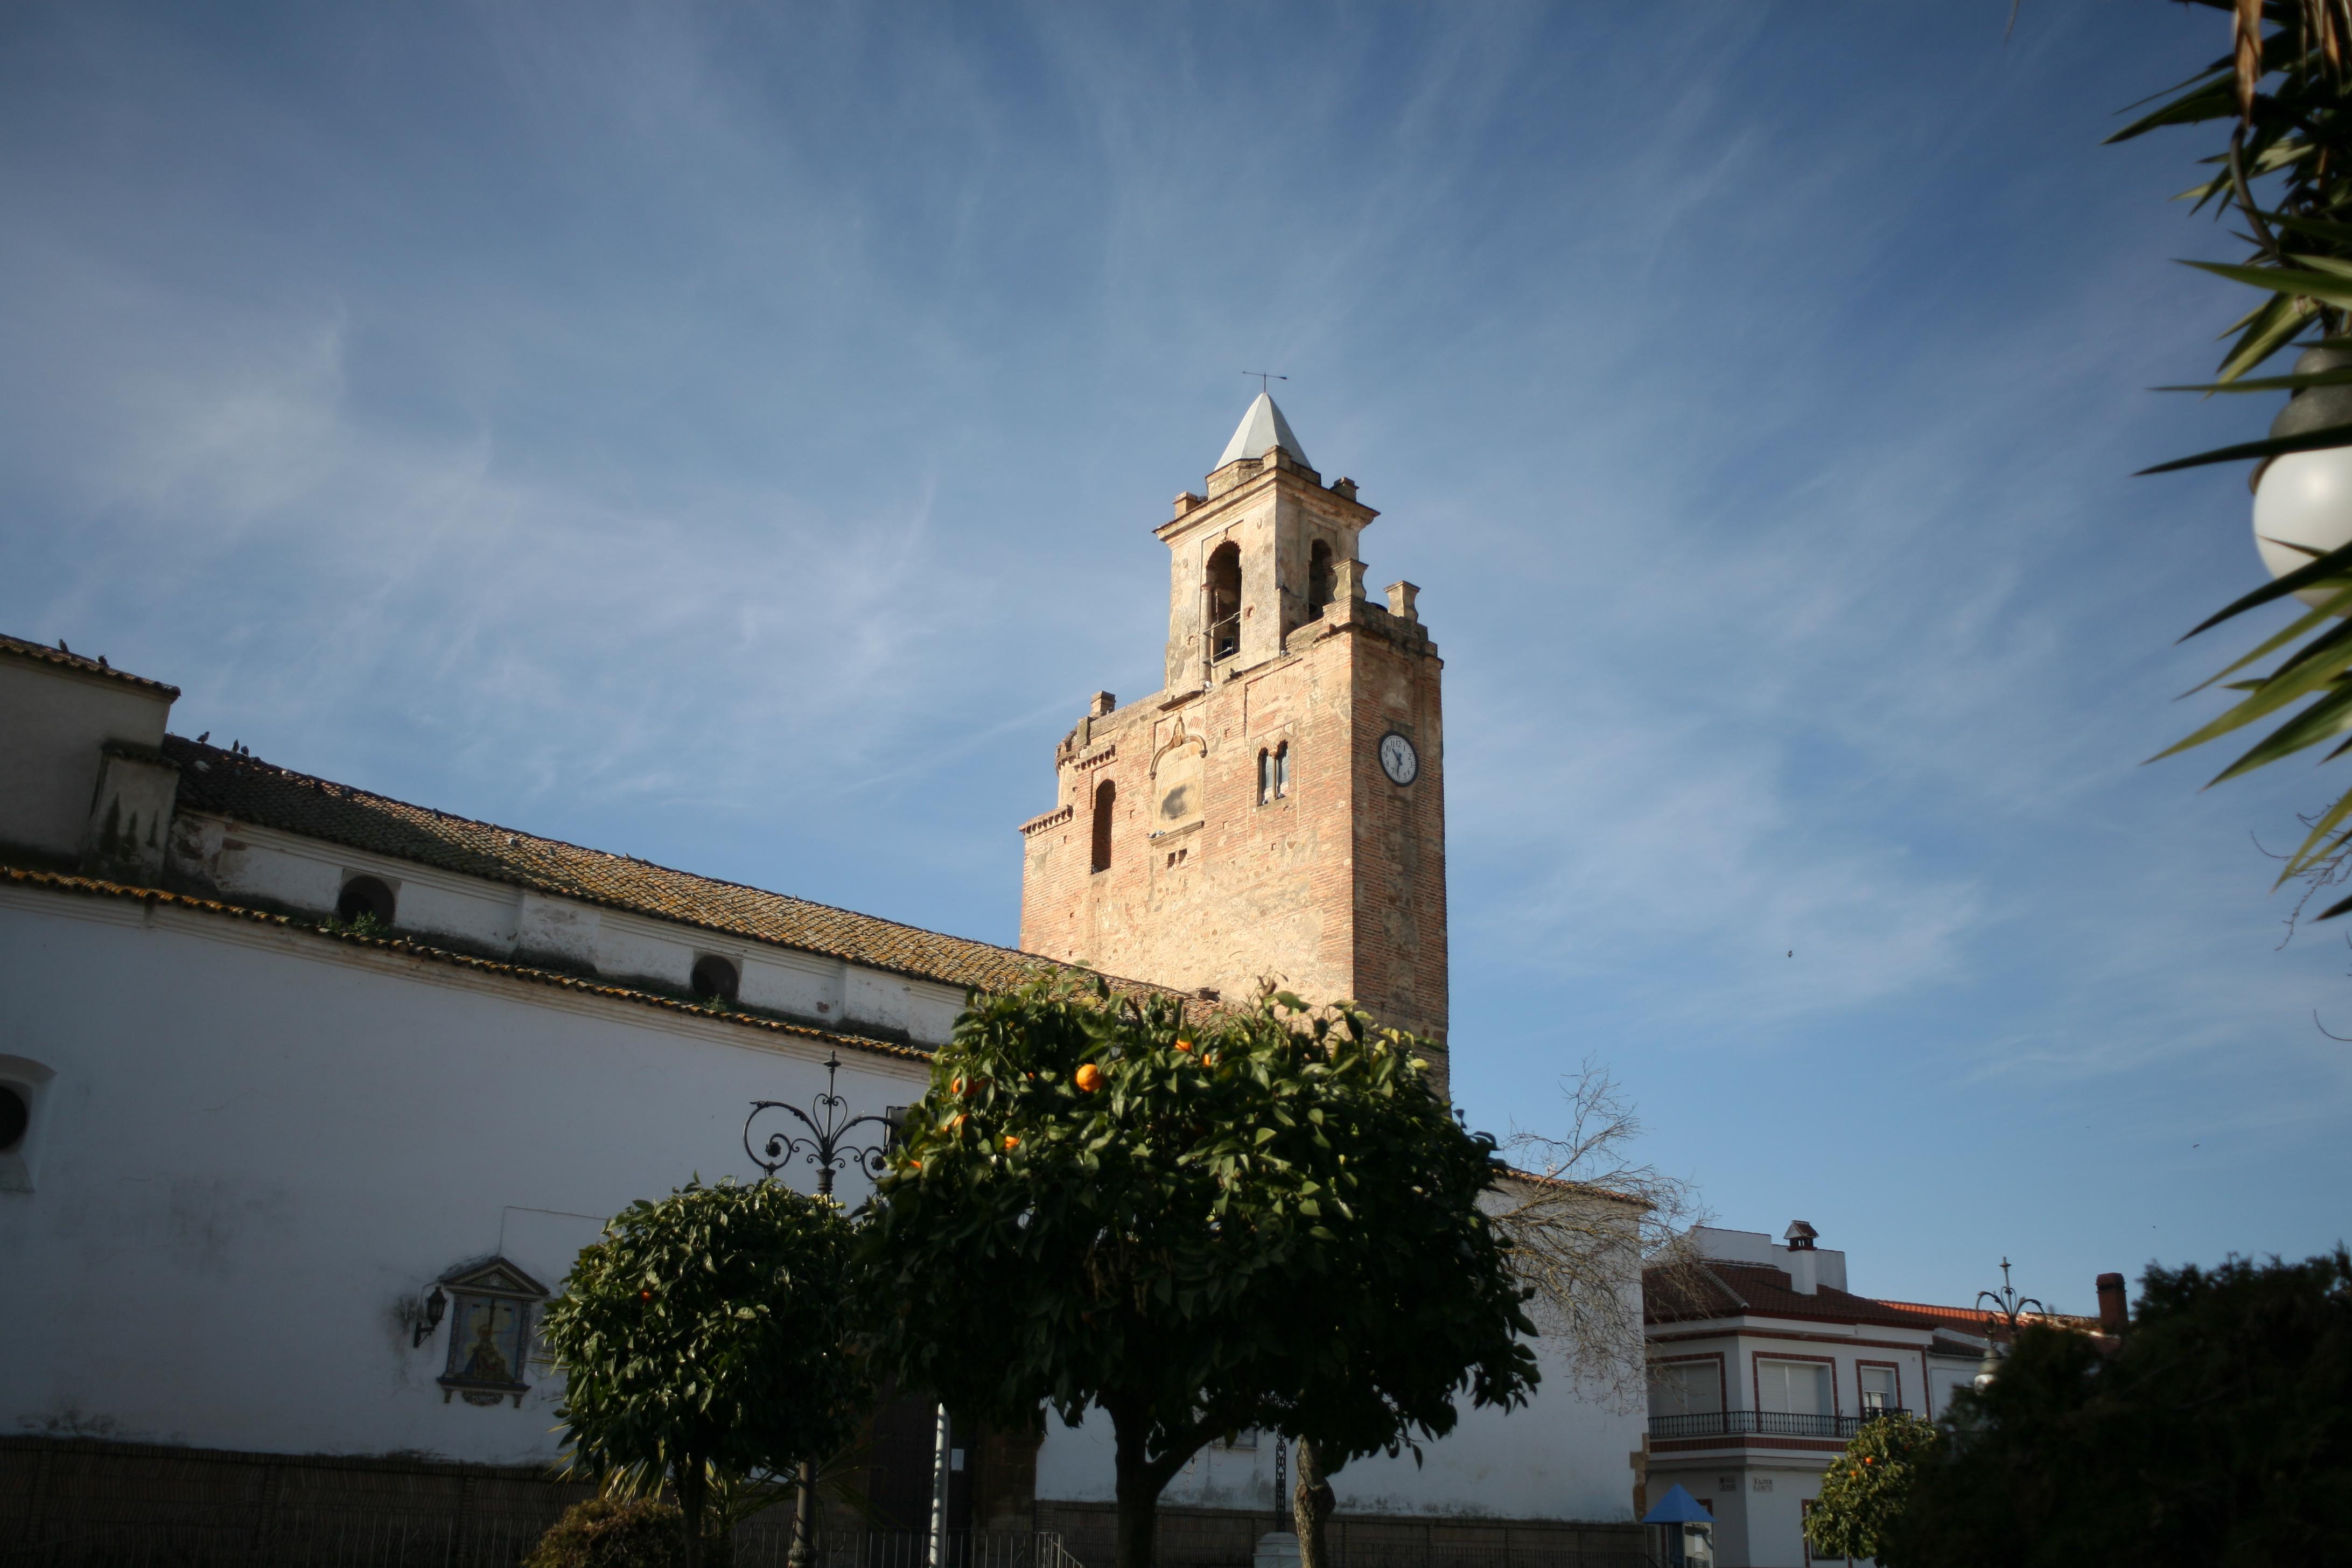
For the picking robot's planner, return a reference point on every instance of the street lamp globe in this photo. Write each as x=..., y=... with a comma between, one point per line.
x=2303, y=500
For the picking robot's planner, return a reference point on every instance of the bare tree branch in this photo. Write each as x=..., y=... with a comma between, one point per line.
x=1585, y=1222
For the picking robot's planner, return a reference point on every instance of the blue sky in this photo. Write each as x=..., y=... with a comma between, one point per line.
x=731, y=435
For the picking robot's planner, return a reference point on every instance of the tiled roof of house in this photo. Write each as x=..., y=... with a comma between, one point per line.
x=1719, y=1290
x=231, y=785
x=19, y=647
x=1972, y=1320
x=91, y=887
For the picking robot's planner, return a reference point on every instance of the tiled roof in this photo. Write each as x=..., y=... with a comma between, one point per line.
x=90, y=887
x=1720, y=1290
x=234, y=785
x=1972, y=1320
x=43, y=653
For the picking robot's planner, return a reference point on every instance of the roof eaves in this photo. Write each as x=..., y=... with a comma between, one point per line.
x=407, y=947
x=42, y=653
x=510, y=874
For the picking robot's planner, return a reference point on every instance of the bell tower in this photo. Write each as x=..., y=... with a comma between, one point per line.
x=1278, y=809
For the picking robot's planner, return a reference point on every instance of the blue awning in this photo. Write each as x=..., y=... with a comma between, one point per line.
x=1678, y=1507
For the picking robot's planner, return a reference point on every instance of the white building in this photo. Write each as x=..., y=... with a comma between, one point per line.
x=281, y=1059
x=1761, y=1368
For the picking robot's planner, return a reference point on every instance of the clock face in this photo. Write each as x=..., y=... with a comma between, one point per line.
x=1399, y=760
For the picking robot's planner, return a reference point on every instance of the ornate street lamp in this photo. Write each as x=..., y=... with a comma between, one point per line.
x=2009, y=1309
x=2303, y=500
x=827, y=1120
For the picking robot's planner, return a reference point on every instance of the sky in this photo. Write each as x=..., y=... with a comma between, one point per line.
x=730, y=435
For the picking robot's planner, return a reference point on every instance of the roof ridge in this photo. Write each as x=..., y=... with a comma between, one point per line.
x=26, y=647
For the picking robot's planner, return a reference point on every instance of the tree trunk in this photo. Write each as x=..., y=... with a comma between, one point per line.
x=1311, y=1501
x=692, y=1492
x=803, y=1550
x=1140, y=1484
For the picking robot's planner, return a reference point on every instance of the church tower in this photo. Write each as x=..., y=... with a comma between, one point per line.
x=1278, y=809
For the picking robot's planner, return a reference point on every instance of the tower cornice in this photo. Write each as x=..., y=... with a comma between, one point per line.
x=1276, y=471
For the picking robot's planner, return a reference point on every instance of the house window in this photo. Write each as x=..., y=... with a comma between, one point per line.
x=1106, y=798
x=1686, y=1388
x=1879, y=1390
x=491, y=1307
x=1282, y=770
x=1797, y=1393
x=714, y=978
x=366, y=898
x=1264, y=776
x=1804, y=1519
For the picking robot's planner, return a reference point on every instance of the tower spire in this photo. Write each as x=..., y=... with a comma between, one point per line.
x=1262, y=426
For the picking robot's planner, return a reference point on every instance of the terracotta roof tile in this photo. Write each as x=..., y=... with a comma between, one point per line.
x=20, y=647
x=248, y=790
x=1731, y=1288
x=92, y=887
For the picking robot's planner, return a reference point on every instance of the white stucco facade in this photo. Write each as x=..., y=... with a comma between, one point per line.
x=1565, y=1455
x=260, y=1146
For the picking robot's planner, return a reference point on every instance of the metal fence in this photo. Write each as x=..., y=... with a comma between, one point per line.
x=1763, y=1423
x=227, y=1537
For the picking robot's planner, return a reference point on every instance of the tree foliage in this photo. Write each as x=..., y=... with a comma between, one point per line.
x=1865, y=1487
x=2219, y=1433
x=2284, y=89
x=702, y=1342
x=1257, y=1217
x=641, y=1532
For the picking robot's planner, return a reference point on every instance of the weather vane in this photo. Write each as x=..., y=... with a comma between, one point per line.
x=1264, y=377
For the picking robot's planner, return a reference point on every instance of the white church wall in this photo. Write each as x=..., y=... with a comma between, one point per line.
x=804, y=984
x=1564, y=1455
x=52, y=722
x=260, y=1147
x=926, y=1011
x=283, y=869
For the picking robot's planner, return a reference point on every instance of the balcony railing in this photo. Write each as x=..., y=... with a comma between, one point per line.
x=1764, y=1424
x=1224, y=637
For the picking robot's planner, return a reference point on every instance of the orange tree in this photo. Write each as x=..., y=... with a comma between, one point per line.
x=1866, y=1487
x=703, y=1343
x=1259, y=1218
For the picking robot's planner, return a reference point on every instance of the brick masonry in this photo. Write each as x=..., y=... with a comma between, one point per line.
x=1335, y=890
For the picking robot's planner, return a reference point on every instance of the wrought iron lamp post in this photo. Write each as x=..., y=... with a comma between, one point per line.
x=828, y=1123
x=2009, y=1309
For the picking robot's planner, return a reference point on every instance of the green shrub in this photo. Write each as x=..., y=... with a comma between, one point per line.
x=644, y=1534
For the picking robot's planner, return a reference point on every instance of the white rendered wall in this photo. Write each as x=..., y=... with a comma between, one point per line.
x=1561, y=1456
x=260, y=1145
x=52, y=722
x=288, y=870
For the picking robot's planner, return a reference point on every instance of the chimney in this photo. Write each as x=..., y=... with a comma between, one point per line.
x=2115, y=1314
x=1805, y=1262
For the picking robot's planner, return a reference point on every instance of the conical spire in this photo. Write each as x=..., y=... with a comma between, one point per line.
x=1261, y=428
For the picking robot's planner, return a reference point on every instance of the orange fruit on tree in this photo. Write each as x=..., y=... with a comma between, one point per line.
x=1010, y=1141
x=1088, y=1078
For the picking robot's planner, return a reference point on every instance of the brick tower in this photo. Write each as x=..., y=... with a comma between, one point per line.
x=1278, y=809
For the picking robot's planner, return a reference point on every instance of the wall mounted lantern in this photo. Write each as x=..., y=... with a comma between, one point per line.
x=435, y=1306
